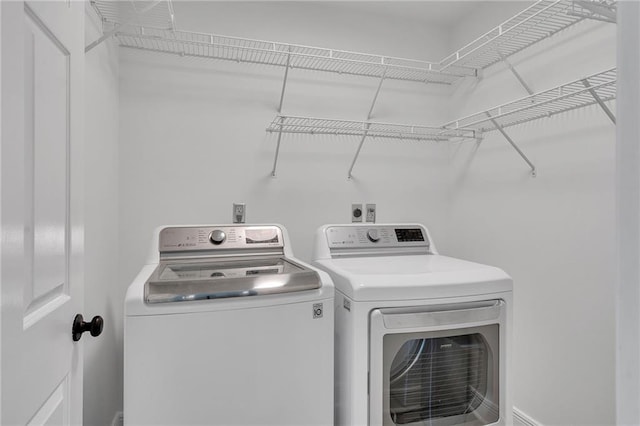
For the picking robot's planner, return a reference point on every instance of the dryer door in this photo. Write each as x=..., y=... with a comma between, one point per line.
x=436, y=365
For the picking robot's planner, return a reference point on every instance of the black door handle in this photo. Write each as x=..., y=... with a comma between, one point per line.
x=79, y=326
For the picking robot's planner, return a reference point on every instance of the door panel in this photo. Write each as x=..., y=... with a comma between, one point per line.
x=55, y=410
x=41, y=174
x=46, y=168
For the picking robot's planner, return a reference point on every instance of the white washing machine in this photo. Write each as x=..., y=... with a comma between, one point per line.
x=224, y=326
x=421, y=339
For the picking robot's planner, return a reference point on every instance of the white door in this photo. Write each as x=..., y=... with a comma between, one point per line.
x=41, y=172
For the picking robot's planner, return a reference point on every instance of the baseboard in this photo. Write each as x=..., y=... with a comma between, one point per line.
x=521, y=419
x=118, y=419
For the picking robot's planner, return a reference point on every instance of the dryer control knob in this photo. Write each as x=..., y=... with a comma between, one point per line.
x=217, y=237
x=372, y=235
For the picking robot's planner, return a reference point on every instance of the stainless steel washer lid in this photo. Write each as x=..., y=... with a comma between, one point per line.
x=189, y=280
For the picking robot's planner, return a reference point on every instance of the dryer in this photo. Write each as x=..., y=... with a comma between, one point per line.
x=421, y=338
x=223, y=326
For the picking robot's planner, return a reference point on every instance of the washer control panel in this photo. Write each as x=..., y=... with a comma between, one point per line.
x=196, y=238
x=372, y=236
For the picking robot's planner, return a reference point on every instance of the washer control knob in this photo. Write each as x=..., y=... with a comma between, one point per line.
x=372, y=235
x=217, y=237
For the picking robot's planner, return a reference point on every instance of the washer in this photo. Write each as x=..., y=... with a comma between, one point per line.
x=223, y=326
x=421, y=338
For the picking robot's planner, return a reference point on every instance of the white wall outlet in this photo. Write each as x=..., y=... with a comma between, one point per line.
x=356, y=212
x=239, y=212
x=371, y=213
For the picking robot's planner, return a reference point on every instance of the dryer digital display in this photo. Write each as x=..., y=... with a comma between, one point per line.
x=413, y=234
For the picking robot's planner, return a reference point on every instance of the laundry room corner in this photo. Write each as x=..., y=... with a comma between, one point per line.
x=553, y=230
x=103, y=295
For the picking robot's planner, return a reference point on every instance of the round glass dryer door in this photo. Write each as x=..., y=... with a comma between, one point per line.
x=439, y=378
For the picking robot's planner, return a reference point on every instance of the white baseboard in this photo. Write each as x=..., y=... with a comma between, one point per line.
x=521, y=419
x=118, y=419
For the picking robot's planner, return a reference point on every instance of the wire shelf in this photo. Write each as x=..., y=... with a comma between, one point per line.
x=536, y=23
x=154, y=13
x=325, y=126
x=576, y=94
x=213, y=46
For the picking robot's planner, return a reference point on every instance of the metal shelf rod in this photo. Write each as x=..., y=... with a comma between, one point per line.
x=284, y=83
x=275, y=160
x=366, y=129
x=513, y=144
x=599, y=101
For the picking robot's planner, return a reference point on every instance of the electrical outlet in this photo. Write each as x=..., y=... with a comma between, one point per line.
x=239, y=212
x=356, y=212
x=371, y=213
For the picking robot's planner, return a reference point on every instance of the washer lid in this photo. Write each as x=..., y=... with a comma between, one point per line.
x=181, y=281
x=412, y=277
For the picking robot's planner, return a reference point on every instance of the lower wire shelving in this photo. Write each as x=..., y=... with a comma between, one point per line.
x=326, y=126
x=363, y=129
x=595, y=89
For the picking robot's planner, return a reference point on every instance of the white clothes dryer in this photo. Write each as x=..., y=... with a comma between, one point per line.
x=421, y=338
x=223, y=326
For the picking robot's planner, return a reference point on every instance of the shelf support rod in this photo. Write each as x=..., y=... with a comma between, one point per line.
x=513, y=144
x=375, y=97
x=284, y=83
x=102, y=38
x=364, y=136
x=516, y=74
x=599, y=101
x=275, y=160
x=366, y=129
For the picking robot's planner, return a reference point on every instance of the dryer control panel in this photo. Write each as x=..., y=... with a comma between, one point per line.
x=374, y=236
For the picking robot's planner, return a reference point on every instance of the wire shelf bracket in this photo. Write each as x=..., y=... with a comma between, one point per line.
x=600, y=10
x=597, y=98
x=513, y=144
x=367, y=126
x=284, y=82
x=117, y=15
x=516, y=74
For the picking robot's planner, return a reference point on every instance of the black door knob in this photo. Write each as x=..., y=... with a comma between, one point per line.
x=79, y=326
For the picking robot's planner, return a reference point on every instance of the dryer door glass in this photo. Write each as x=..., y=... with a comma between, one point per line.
x=441, y=378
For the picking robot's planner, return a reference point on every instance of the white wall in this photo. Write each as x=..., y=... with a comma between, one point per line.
x=103, y=294
x=191, y=141
x=193, y=136
x=555, y=234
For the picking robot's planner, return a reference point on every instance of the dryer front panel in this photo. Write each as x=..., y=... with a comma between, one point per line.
x=436, y=365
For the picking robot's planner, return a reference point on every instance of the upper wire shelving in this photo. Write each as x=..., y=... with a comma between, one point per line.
x=186, y=43
x=150, y=25
x=536, y=23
